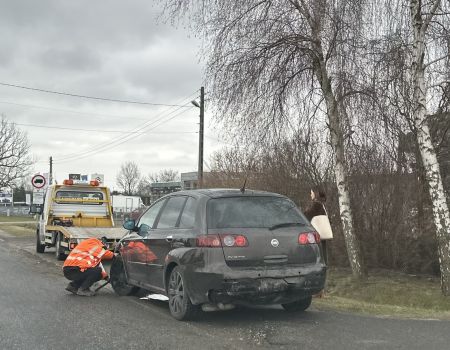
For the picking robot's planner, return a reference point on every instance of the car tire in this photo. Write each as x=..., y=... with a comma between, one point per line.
x=59, y=250
x=40, y=248
x=299, y=305
x=180, y=305
x=118, y=279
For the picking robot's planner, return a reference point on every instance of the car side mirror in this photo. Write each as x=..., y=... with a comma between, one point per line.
x=129, y=225
x=143, y=230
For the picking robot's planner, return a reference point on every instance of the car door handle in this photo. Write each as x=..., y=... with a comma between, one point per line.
x=169, y=239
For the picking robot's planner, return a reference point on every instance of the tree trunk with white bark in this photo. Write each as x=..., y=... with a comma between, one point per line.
x=340, y=171
x=428, y=154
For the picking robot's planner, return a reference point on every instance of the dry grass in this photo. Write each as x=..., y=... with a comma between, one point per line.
x=19, y=230
x=16, y=219
x=386, y=293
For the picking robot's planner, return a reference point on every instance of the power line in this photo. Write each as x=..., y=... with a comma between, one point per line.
x=125, y=139
x=70, y=111
x=75, y=129
x=138, y=128
x=107, y=144
x=101, y=130
x=92, y=97
x=114, y=143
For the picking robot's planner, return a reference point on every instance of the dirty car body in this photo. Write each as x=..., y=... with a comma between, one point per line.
x=227, y=246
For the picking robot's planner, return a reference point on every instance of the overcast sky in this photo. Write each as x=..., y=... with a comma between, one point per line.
x=110, y=49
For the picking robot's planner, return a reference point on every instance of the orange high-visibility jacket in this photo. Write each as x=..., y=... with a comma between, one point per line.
x=89, y=253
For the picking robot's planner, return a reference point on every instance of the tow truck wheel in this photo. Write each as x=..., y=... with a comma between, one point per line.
x=59, y=250
x=299, y=305
x=40, y=248
x=180, y=304
x=119, y=280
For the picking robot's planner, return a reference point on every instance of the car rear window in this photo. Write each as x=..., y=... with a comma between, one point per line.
x=241, y=212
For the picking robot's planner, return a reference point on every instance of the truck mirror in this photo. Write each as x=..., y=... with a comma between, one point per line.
x=129, y=225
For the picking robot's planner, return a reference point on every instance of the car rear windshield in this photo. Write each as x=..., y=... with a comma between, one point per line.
x=257, y=212
x=79, y=197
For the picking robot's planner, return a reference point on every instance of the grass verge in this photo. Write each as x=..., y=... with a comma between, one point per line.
x=19, y=230
x=16, y=218
x=386, y=293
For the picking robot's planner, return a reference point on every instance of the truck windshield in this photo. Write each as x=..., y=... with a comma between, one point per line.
x=79, y=197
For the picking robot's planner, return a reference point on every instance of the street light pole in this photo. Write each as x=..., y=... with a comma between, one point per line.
x=200, y=138
x=50, y=175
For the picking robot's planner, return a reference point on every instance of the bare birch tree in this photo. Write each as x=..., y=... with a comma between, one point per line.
x=417, y=37
x=421, y=16
x=14, y=154
x=266, y=59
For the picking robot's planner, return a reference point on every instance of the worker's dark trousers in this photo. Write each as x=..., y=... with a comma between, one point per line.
x=85, y=279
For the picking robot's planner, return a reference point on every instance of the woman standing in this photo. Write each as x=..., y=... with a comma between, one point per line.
x=317, y=208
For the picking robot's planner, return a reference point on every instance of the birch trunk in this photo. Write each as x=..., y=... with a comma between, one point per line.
x=427, y=152
x=340, y=169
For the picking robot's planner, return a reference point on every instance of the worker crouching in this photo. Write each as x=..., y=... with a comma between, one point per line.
x=83, y=266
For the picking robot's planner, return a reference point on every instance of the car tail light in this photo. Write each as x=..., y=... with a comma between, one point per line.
x=308, y=238
x=234, y=240
x=217, y=241
x=72, y=245
x=212, y=241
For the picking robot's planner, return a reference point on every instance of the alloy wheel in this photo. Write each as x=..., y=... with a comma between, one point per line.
x=176, y=293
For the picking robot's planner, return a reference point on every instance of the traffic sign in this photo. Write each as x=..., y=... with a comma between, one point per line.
x=38, y=181
x=38, y=197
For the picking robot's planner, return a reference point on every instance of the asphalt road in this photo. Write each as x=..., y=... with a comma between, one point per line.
x=37, y=313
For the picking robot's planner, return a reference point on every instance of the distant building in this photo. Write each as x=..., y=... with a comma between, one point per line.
x=159, y=189
x=189, y=181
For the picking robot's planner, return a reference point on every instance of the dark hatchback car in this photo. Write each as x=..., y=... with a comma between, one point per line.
x=215, y=248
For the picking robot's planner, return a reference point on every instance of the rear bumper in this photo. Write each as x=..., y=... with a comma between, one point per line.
x=249, y=287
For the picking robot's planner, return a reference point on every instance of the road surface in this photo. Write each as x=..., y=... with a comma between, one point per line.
x=37, y=313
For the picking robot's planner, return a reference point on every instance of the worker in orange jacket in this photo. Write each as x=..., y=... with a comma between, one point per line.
x=83, y=266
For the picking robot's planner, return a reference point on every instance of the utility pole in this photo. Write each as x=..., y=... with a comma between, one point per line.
x=200, y=138
x=50, y=175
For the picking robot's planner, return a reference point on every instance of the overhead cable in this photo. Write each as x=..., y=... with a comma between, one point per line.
x=107, y=145
x=71, y=111
x=92, y=97
x=115, y=144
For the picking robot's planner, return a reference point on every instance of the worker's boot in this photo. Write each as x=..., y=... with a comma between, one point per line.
x=86, y=292
x=71, y=288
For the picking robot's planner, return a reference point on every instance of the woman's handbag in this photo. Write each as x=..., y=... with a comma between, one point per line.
x=322, y=225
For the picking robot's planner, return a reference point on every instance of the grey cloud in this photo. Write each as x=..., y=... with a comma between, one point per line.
x=105, y=48
x=70, y=58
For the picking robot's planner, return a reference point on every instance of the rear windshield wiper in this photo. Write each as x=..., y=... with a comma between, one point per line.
x=286, y=224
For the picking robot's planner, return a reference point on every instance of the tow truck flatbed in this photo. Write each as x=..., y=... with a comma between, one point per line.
x=90, y=232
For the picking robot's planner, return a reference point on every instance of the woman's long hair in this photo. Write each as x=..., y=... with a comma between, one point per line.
x=319, y=194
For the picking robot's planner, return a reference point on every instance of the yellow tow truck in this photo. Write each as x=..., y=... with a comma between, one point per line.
x=72, y=212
